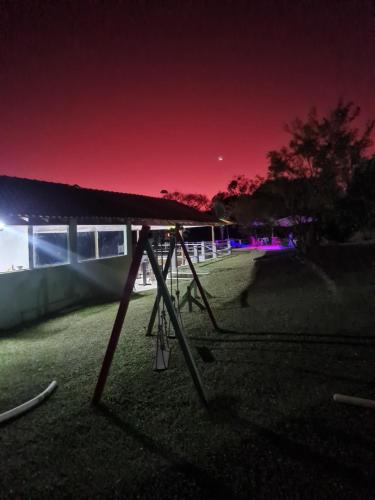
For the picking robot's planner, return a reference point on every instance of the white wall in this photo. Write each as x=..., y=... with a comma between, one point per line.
x=32, y=294
x=14, y=250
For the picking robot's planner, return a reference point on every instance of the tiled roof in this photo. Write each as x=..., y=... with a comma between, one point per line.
x=35, y=199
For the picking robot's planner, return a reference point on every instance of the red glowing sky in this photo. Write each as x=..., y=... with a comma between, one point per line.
x=141, y=98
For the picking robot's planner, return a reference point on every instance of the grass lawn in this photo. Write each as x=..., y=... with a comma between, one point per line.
x=272, y=431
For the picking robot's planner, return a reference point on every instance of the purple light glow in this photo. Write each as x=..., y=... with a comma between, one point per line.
x=265, y=247
x=259, y=245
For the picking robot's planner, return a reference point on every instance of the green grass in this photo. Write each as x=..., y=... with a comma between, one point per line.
x=272, y=430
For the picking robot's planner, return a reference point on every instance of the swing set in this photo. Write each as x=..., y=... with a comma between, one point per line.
x=165, y=303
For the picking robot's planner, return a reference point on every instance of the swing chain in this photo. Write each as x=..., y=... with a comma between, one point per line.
x=162, y=344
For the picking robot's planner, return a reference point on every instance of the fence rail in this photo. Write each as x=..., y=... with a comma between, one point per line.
x=205, y=250
x=198, y=251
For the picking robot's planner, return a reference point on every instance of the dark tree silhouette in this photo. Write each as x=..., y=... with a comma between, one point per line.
x=325, y=149
x=317, y=166
x=242, y=185
x=195, y=200
x=361, y=195
x=225, y=202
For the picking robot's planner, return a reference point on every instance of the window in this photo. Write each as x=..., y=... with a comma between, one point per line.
x=111, y=243
x=86, y=237
x=50, y=245
x=14, y=248
x=96, y=242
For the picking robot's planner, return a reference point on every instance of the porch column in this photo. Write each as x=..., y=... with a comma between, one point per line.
x=72, y=247
x=128, y=247
x=195, y=250
x=30, y=240
x=203, y=253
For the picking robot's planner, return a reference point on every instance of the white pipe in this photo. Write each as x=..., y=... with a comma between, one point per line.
x=351, y=400
x=18, y=410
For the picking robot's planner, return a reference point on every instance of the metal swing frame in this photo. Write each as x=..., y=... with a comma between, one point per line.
x=143, y=244
x=163, y=350
x=195, y=283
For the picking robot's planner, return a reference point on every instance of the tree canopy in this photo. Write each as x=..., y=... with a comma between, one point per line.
x=315, y=170
x=195, y=200
x=322, y=176
x=323, y=148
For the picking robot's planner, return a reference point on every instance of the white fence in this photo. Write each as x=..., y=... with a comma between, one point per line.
x=199, y=252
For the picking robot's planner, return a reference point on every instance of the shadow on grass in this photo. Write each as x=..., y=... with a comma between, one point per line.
x=277, y=272
x=338, y=335
x=329, y=375
x=364, y=383
x=291, y=338
x=225, y=408
x=211, y=487
x=326, y=433
x=319, y=461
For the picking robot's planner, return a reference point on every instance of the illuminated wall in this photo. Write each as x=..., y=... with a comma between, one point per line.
x=30, y=294
x=14, y=249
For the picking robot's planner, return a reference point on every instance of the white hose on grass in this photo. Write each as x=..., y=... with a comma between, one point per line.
x=351, y=400
x=18, y=410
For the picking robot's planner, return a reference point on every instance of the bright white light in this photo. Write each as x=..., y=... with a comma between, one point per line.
x=2, y=225
x=220, y=158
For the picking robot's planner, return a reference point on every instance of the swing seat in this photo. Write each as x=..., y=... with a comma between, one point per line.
x=161, y=361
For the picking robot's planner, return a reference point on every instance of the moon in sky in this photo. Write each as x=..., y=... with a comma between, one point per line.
x=220, y=158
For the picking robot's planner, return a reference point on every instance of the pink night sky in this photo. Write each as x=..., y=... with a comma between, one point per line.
x=138, y=98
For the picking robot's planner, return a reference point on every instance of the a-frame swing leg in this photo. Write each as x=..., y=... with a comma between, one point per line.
x=176, y=325
x=158, y=295
x=199, y=285
x=121, y=313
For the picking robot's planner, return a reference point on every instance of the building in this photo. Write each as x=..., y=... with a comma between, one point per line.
x=63, y=245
